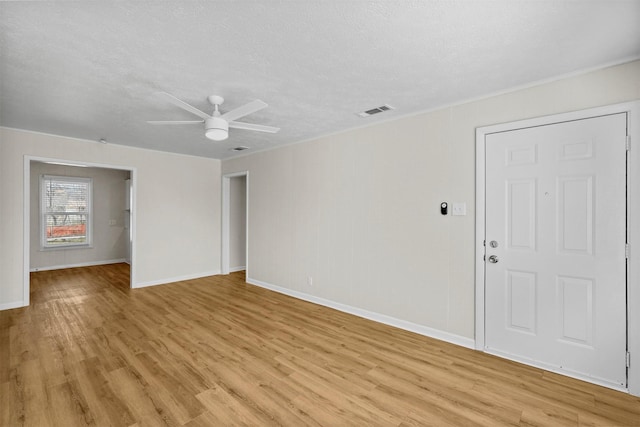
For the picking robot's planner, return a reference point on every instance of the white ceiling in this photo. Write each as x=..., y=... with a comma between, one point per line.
x=90, y=69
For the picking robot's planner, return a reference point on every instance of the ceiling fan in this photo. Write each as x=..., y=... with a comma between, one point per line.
x=216, y=124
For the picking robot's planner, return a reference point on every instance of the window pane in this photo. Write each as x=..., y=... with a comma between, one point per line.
x=66, y=211
x=66, y=196
x=63, y=229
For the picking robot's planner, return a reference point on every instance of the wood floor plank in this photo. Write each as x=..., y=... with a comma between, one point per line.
x=217, y=351
x=33, y=393
x=68, y=406
x=232, y=407
x=143, y=403
x=537, y=417
x=104, y=402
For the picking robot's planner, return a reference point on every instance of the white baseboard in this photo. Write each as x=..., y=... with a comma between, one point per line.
x=10, y=305
x=81, y=264
x=175, y=279
x=376, y=317
x=234, y=269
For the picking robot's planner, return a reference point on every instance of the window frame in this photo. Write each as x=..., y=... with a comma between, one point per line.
x=88, y=213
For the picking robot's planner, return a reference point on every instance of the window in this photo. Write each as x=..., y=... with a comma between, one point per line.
x=65, y=211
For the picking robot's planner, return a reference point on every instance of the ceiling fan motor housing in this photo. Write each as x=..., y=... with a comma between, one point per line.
x=217, y=128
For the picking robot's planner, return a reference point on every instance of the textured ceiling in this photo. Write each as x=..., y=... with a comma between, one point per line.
x=90, y=69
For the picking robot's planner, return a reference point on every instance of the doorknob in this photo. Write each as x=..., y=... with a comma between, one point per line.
x=493, y=259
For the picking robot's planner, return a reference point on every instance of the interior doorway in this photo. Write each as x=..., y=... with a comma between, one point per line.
x=102, y=231
x=235, y=222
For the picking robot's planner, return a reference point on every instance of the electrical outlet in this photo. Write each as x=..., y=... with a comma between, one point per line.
x=309, y=281
x=112, y=222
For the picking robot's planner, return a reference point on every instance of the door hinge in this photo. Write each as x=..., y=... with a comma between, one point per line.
x=627, y=251
x=628, y=359
x=628, y=144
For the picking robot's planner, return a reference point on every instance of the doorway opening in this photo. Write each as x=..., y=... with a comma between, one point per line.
x=84, y=225
x=235, y=222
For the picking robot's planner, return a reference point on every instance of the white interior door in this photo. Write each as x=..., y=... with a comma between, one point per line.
x=555, y=293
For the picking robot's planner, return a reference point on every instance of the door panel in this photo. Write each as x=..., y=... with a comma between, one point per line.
x=521, y=300
x=575, y=309
x=521, y=215
x=556, y=207
x=575, y=215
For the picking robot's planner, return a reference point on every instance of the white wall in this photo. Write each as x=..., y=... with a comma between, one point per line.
x=359, y=211
x=237, y=223
x=177, y=203
x=109, y=241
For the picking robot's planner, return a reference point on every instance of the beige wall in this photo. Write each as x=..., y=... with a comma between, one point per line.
x=109, y=241
x=359, y=211
x=237, y=222
x=177, y=204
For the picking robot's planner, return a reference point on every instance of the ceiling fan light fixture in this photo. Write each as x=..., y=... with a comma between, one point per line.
x=217, y=129
x=217, y=134
x=216, y=124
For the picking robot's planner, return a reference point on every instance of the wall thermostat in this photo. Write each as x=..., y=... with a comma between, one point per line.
x=443, y=208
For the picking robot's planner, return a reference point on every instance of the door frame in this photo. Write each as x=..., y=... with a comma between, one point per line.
x=633, y=222
x=226, y=221
x=26, y=283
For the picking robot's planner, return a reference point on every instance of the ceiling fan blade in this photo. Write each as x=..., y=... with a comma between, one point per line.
x=251, y=126
x=245, y=110
x=180, y=103
x=175, y=122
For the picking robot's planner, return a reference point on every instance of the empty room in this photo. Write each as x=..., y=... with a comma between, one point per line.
x=324, y=213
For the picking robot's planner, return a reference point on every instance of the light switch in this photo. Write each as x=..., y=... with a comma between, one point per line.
x=112, y=222
x=459, y=209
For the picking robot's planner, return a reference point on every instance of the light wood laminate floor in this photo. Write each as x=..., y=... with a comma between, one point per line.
x=217, y=352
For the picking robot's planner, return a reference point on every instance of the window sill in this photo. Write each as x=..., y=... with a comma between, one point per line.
x=62, y=247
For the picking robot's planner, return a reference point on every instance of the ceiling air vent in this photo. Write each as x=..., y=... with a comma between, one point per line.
x=239, y=148
x=371, y=112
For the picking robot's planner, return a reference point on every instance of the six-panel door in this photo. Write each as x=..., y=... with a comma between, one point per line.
x=556, y=210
